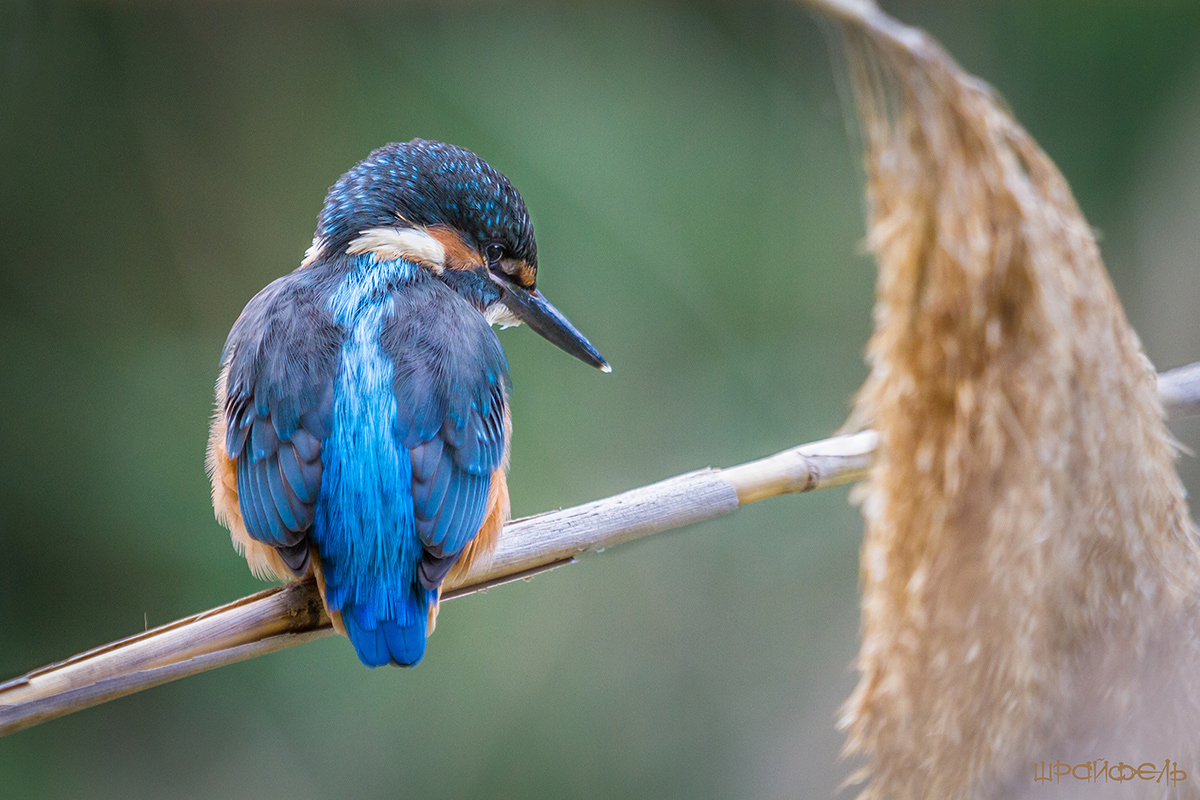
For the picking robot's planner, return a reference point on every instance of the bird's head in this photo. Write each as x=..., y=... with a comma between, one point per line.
x=447, y=210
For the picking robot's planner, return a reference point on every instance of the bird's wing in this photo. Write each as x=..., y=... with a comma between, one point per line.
x=281, y=358
x=451, y=385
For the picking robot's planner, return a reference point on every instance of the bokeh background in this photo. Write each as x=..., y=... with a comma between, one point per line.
x=696, y=191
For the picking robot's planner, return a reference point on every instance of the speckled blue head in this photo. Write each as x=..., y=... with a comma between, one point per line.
x=428, y=184
x=445, y=209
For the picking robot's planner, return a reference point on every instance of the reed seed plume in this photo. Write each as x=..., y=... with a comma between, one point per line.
x=1030, y=570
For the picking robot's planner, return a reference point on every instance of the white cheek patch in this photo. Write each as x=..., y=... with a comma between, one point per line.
x=414, y=244
x=314, y=252
x=499, y=314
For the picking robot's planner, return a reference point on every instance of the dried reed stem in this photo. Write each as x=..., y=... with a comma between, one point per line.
x=285, y=616
x=290, y=615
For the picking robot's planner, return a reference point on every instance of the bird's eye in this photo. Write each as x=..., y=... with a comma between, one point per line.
x=494, y=252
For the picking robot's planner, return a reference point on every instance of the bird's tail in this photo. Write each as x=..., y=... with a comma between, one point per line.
x=399, y=641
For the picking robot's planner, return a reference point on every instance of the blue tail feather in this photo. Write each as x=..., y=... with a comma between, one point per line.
x=386, y=641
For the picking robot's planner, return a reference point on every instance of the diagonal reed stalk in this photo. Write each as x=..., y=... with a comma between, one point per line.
x=285, y=616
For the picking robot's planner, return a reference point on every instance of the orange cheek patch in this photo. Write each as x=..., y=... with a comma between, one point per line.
x=524, y=275
x=459, y=254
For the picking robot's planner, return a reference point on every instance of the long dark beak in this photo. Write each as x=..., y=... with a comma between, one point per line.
x=533, y=309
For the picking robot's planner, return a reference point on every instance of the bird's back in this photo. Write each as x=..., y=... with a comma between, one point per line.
x=416, y=437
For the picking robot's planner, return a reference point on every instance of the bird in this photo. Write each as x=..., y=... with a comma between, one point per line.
x=361, y=431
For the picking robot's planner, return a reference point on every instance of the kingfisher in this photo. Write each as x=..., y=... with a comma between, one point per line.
x=361, y=432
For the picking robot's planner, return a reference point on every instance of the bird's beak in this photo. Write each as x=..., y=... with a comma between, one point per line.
x=533, y=309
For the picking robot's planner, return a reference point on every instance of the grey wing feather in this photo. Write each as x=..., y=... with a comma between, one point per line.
x=451, y=381
x=282, y=357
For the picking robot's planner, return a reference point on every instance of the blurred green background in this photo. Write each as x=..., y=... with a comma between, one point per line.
x=697, y=198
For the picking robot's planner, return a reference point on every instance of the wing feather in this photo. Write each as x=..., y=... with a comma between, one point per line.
x=450, y=382
x=281, y=360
